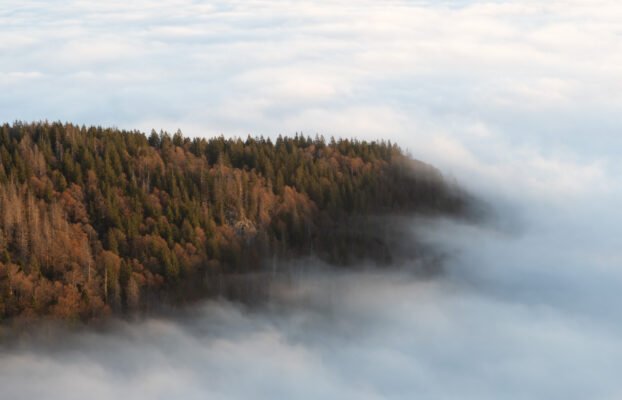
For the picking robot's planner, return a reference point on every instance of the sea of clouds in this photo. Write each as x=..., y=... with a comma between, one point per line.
x=519, y=101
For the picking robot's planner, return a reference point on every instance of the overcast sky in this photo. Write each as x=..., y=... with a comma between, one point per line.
x=465, y=84
x=520, y=101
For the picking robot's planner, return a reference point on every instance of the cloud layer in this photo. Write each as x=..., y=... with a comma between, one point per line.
x=330, y=67
x=370, y=335
x=473, y=86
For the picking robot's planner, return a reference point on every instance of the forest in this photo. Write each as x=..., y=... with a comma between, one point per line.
x=98, y=221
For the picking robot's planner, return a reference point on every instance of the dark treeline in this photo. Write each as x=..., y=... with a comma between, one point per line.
x=96, y=221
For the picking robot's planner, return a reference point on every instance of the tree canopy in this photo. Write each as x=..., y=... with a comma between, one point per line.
x=98, y=220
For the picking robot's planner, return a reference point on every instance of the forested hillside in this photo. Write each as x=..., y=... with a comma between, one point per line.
x=96, y=221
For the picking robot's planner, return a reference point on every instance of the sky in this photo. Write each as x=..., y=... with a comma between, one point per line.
x=518, y=101
x=469, y=85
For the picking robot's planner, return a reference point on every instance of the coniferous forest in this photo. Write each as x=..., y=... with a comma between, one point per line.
x=97, y=221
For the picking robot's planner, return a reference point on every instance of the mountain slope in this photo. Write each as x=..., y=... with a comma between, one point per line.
x=96, y=221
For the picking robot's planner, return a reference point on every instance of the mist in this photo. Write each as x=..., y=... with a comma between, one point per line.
x=518, y=313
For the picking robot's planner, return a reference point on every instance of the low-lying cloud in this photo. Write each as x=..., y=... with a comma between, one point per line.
x=511, y=318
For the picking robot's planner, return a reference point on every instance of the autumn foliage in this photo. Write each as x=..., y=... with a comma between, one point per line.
x=96, y=221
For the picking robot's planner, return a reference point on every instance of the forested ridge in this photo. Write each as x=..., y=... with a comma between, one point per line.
x=96, y=221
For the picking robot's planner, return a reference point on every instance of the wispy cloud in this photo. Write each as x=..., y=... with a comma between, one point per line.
x=489, y=57
x=541, y=75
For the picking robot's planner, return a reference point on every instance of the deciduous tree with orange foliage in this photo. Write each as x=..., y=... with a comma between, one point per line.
x=96, y=220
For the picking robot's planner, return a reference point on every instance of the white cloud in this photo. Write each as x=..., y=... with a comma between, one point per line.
x=366, y=335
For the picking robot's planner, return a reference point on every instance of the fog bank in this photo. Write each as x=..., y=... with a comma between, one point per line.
x=514, y=317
